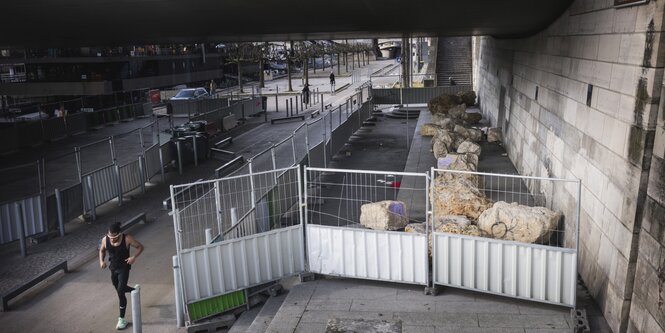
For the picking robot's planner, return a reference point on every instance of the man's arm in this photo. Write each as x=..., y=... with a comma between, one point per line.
x=102, y=253
x=137, y=245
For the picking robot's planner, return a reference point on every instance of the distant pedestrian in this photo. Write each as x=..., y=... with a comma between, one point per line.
x=305, y=94
x=117, y=245
x=332, y=81
x=213, y=87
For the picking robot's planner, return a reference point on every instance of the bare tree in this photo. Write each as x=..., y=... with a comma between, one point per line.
x=241, y=53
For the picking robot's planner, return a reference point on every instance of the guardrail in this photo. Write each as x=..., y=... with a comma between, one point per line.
x=32, y=133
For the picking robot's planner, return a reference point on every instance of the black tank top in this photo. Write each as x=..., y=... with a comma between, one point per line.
x=118, y=254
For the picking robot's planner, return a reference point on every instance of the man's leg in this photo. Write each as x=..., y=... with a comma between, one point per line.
x=121, y=288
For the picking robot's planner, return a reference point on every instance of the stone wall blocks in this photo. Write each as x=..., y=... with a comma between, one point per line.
x=608, y=47
x=631, y=49
x=652, y=11
x=625, y=19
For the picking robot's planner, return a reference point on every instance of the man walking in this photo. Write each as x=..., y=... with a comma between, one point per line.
x=305, y=94
x=117, y=245
x=332, y=82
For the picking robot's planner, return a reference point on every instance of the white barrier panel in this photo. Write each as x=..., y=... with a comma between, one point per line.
x=527, y=271
x=368, y=254
x=221, y=268
x=31, y=215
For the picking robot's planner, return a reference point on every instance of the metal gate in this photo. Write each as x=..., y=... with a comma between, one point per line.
x=337, y=244
x=238, y=232
x=545, y=272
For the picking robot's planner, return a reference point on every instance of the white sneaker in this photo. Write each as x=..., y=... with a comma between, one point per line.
x=122, y=324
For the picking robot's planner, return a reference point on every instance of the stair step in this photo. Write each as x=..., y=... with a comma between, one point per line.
x=245, y=320
x=267, y=313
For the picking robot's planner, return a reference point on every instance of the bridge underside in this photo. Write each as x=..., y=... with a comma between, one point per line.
x=124, y=22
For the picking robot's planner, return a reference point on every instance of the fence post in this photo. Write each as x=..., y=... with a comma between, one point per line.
x=118, y=183
x=307, y=142
x=77, y=154
x=290, y=107
x=20, y=227
x=179, y=153
x=276, y=100
x=297, y=103
x=323, y=123
x=251, y=185
x=161, y=163
x=293, y=147
x=142, y=172
x=136, y=310
x=196, y=153
x=58, y=206
x=91, y=198
x=322, y=106
x=219, y=208
x=180, y=317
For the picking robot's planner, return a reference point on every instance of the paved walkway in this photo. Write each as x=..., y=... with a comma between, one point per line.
x=84, y=300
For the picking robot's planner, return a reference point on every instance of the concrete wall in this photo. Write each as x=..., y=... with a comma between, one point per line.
x=536, y=89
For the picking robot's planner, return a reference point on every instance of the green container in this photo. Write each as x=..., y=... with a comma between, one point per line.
x=215, y=305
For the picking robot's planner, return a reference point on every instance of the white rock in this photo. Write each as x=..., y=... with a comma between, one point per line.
x=469, y=147
x=510, y=221
x=494, y=134
x=458, y=196
x=430, y=129
x=384, y=215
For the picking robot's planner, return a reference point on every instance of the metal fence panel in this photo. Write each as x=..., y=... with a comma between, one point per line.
x=72, y=202
x=54, y=128
x=31, y=214
x=520, y=270
x=104, y=185
x=153, y=166
x=368, y=254
x=29, y=134
x=9, y=139
x=76, y=123
x=414, y=95
x=237, y=264
x=130, y=176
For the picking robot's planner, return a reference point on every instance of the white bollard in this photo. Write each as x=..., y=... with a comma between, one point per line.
x=234, y=216
x=136, y=310
x=208, y=236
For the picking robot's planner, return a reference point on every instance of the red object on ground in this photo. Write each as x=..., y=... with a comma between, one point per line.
x=155, y=96
x=396, y=184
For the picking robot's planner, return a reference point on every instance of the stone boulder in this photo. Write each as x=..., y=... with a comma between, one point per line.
x=430, y=129
x=472, y=117
x=494, y=134
x=475, y=134
x=443, y=121
x=461, y=131
x=510, y=221
x=458, y=162
x=468, y=97
x=457, y=112
x=441, y=104
x=460, y=220
x=469, y=147
x=458, y=196
x=442, y=143
x=452, y=228
x=384, y=215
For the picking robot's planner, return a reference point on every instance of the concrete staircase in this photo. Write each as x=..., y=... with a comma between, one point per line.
x=262, y=316
x=454, y=60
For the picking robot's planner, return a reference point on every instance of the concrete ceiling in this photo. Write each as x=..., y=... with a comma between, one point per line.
x=44, y=23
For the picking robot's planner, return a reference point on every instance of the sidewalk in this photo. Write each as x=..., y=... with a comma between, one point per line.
x=87, y=289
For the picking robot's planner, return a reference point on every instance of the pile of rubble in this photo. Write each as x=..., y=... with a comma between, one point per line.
x=459, y=205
